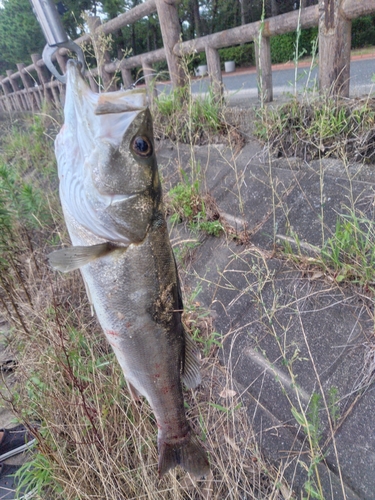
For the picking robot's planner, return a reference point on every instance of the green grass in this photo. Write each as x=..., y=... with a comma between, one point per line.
x=27, y=166
x=350, y=252
x=198, y=323
x=186, y=204
x=180, y=117
x=319, y=127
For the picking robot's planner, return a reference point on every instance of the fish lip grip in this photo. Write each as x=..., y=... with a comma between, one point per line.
x=50, y=22
x=50, y=50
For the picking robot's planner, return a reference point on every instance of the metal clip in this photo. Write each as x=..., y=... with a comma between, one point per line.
x=49, y=51
x=55, y=35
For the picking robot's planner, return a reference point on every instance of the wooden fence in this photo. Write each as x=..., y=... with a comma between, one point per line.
x=27, y=88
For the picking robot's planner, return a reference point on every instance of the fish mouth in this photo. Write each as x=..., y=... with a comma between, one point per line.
x=132, y=100
x=95, y=123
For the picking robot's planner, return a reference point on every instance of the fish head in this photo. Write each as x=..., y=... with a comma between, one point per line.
x=109, y=182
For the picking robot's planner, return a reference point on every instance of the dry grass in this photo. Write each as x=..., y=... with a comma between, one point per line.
x=92, y=441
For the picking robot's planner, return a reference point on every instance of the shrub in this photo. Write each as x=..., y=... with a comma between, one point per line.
x=283, y=47
x=242, y=55
x=363, y=31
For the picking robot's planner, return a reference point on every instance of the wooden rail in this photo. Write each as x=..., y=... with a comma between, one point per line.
x=31, y=85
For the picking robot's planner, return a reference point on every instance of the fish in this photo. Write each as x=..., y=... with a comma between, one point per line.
x=111, y=197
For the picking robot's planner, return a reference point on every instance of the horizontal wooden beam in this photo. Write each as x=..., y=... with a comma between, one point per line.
x=136, y=61
x=273, y=26
x=291, y=21
x=357, y=8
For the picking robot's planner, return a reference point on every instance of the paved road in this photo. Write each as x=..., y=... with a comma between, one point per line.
x=242, y=85
x=361, y=74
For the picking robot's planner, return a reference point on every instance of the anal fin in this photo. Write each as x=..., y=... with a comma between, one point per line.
x=133, y=391
x=191, y=376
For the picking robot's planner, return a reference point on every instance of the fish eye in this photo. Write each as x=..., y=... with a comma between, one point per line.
x=142, y=146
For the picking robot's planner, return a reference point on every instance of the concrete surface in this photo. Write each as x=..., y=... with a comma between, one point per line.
x=289, y=331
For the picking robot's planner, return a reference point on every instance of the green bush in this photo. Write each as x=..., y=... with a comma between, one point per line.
x=242, y=55
x=283, y=47
x=363, y=31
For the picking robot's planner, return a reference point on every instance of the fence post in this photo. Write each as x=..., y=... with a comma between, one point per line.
x=15, y=87
x=45, y=77
x=12, y=99
x=2, y=103
x=101, y=54
x=148, y=72
x=263, y=64
x=170, y=30
x=28, y=85
x=334, y=48
x=42, y=78
x=8, y=101
x=214, y=70
x=127, y=78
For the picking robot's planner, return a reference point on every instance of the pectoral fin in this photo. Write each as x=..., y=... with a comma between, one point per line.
x=69, y=259
x=191, y=376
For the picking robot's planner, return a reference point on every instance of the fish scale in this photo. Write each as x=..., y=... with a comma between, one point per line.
x=112, y=203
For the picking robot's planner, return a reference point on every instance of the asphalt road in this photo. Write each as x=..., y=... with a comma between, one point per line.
x=361, y=73
x=241, y=85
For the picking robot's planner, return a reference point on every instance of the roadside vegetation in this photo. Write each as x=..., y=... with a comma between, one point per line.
x=182, y=118
x=314, y=128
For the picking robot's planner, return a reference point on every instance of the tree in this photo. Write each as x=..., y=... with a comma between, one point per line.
x=72, y=19
x=20, y=33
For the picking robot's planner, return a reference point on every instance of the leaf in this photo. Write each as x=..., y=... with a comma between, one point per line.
x=227, y=393
x=232, y=443
x=301, y=420
x=219, y=407
x=316, y=275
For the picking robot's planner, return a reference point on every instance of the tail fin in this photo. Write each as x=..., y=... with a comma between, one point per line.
x=190, y=455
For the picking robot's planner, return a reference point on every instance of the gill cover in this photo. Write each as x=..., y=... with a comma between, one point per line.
x=102, y=181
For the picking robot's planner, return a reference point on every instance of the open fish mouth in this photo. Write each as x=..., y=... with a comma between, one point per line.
x=121, y=101
x=94, y=128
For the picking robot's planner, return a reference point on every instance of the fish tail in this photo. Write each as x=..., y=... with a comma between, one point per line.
x=190, y=455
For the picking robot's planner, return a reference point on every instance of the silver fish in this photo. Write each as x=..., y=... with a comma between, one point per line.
x=112, y=202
